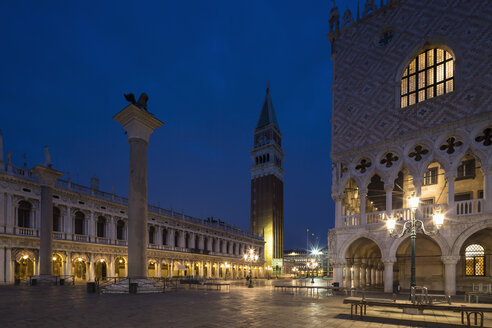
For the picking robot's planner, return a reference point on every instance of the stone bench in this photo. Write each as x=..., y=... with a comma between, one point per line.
x=361, y=304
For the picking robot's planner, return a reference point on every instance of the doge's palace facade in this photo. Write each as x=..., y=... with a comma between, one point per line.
x=90, y=235
x=412, y=116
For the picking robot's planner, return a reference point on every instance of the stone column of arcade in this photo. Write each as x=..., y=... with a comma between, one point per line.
x=139, y=124
x=47, y=178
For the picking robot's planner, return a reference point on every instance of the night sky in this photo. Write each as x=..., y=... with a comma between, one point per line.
x=205, y=66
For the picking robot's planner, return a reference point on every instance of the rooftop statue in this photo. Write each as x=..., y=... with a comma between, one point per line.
x=142, y=100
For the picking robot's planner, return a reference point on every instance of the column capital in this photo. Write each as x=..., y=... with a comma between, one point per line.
x=450, y=259
x=450, y=176
x=390, y=260
x=418, y=181
x=388, y=187
x=337, y=197
x=46, y=175
x=486, y=169
x=138, y=123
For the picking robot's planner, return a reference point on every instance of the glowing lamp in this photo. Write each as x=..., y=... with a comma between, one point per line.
x=390, y=224
x=414, y=202
x=54, y=258
x=25, y=257
x=438, y=219
x=121, y=261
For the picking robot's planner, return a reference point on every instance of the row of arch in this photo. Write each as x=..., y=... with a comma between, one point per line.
x=365, y=258
x=84, y=268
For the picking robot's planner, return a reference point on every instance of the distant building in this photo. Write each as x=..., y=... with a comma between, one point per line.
x=412, y=116
x=267, y=189
x=295, y=262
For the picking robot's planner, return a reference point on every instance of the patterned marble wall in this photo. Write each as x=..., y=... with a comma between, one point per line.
x=366, y=106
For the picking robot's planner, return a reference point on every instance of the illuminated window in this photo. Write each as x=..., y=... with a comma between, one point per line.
x=430, y=176
x=429, y=74
x=475, y=260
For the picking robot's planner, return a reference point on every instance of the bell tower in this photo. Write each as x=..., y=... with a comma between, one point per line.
x=267, y=187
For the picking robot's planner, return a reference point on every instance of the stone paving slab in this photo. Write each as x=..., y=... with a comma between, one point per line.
x=72, y=306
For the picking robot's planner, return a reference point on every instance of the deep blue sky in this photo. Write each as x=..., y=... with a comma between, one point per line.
x=204, y=65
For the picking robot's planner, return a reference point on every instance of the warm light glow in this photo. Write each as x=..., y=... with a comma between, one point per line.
x=438, y=219
x=79, y=259
x=315, y=251
x=121, y=261
x=293, y=253
x=390, y=224
x=54, y=258
x=25, y=257
x=413, y=202
x=101, y=260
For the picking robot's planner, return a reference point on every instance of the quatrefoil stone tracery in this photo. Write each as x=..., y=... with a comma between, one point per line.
x=485, y=138
x=451, y=144
x=418, y=153
x=363, y=165
x=389, y=159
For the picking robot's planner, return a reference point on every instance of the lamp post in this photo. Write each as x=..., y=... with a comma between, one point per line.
x=250, y=257
x=412, y=226
x=312, y=265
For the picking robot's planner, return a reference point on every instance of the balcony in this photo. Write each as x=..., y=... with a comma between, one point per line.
x=463, y=208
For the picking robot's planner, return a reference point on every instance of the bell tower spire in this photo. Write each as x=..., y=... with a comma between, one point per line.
x=267, y=175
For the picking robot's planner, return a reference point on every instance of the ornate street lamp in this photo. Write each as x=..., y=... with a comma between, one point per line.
x=412, y=226
x=250, y=257
x=312, y=265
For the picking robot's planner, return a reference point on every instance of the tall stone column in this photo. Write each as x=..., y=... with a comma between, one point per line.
x=338, y=210
x=362, y=195
x=388, y=275
x=348, y=275
x=356, y=275
x=338, y=273
x=487, y=188
x=47, y=178
x=450, y=274
x=388, y=188
x=450, y=182
x=363, y=274
x=139, y=124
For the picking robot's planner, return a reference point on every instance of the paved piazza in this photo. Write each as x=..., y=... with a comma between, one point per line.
x=67, y=306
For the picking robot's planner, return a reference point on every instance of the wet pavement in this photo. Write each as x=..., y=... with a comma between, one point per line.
x=262, y=306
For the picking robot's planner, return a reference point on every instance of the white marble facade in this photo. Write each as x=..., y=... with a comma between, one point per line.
x=386, y=149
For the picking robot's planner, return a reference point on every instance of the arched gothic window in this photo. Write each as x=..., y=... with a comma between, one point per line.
x=429, y=74
x=475, y=260
x=24, y=214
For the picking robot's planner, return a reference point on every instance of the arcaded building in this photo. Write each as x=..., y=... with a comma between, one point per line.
x=412, y=116
x=90, y=235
